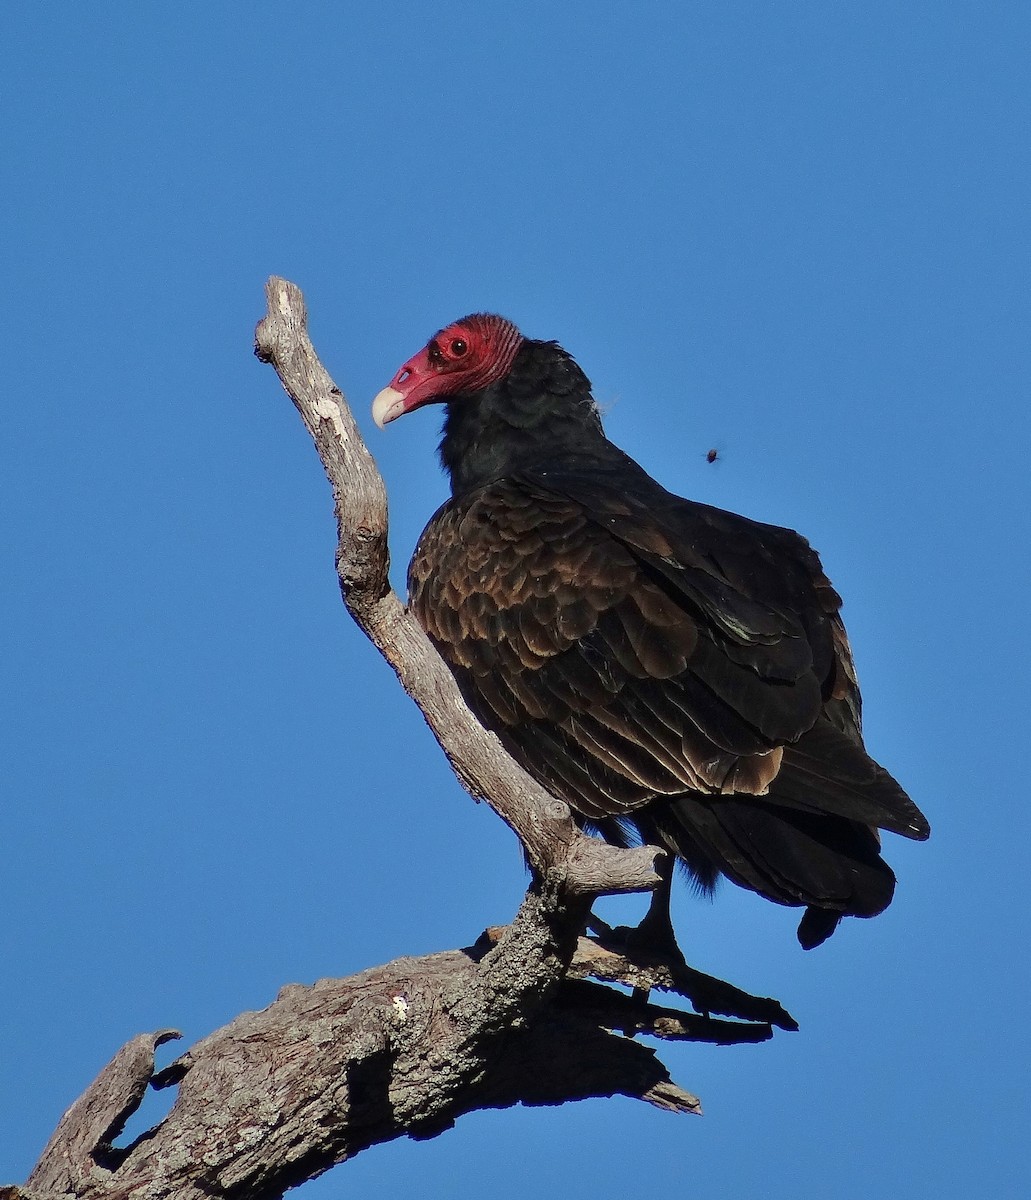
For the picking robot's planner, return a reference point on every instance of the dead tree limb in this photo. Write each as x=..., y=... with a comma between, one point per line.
x=279, y=1096
x=543, y=824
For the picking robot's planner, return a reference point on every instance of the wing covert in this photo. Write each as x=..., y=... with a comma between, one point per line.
x=608, y=652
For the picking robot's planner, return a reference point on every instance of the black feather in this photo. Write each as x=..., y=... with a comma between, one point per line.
x=674, y=672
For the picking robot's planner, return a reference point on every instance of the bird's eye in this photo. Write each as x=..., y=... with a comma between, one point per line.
x=459, y=347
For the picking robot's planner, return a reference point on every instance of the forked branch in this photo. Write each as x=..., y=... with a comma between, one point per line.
x=279, y=1096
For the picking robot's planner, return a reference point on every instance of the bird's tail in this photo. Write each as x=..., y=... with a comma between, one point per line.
x=810, y=840
x=830, y=864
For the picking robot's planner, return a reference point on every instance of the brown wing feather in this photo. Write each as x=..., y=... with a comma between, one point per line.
x=607, y=651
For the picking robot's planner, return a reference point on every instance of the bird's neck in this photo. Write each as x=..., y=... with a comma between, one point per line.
x=541, y=412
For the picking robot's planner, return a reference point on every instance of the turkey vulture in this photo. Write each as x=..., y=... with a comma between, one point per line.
x=674, y=672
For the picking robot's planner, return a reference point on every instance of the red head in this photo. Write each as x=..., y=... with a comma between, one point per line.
x=467, y=356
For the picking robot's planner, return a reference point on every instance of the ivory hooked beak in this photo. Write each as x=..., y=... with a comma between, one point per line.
x=388, y=406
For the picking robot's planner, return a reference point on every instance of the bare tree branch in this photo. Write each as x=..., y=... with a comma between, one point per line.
x=279, y=1096
x=622, y=964
x=543, y=824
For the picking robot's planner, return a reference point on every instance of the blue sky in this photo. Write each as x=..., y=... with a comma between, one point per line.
x=793, y=231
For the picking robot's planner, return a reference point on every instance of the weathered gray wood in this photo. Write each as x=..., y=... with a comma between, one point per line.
x=85, y=1133
x=279, y=1096
x=543, y=824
